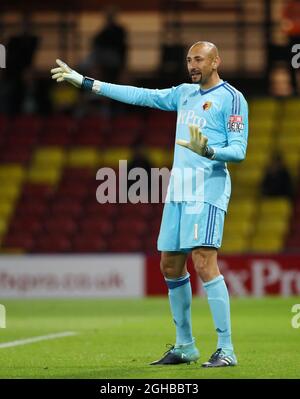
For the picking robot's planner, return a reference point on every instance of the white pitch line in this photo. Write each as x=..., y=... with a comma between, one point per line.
x=37, y=339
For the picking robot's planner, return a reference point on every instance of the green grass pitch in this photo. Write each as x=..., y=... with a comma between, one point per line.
x=119, y=338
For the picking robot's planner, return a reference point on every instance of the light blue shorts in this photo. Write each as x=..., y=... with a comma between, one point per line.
x=186, y=225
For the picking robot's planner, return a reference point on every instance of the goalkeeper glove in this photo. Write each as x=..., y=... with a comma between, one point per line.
x=198, y=143
x=65, y=73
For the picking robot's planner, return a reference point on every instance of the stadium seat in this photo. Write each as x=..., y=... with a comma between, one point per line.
x=9, y=191
x=263, y=107
x=60, y=224
x=22, y=240
x=160, y=157
x=6, y=209
x=32, y=207
x=88, y=243
x=52, y=243
x=240, y=208
x=65, y=207
x=96, y=124
x=44, y=175
x=94, y=209
x=125, y=244
x=234, y=245
x=276, y=207
x=127, y=122
x=83, y=157
x=48, y=156
x=130, y=227
x=267, y=244
x=112, y=156
x=11, y=154
x=88, y=138
x=98, y=226
x=291, y=108
x=11, y=172
x=235, y=227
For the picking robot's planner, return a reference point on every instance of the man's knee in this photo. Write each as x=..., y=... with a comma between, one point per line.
x=204, y=260
x=172, y=266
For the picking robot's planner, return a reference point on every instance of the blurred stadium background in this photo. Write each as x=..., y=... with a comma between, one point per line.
x=56, y=241
x=53, y=139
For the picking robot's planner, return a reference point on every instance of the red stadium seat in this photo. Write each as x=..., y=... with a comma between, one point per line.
x=127, y=122
x=62, y=224
x=66, y=207
x=59, y=123
x=96, y=226
x=88, y=243
x=52, y=243
x=16, y=155
x=26, y=123
x=94, y=209
x=94, y=124
x=27, y=224
x=88, y=138
x=122, y=138
x=125, y=244
x=132, y=227
x=73, y=190
x=31, y=190
x=22, y=241
x=34, y=207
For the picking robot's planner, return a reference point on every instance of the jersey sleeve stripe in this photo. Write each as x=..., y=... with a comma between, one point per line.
x=233, y=110
x=237, y=96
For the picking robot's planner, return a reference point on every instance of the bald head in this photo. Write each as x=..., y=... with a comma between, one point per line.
x=203, y=61
x=209, y=48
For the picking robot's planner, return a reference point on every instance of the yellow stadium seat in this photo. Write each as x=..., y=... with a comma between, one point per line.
x=291, y=126
x=292, y=162
x=242, y=191
x=255, y=142
x=277, y=207
x=291, y=108
x=112, y=156
x=81, y=157
x=235, y=227
x=3, y=226
x=285, y=141
x=11, y=172
x=256, y=159
x=49, y=156
x=263, y=107
x=241, y=208
x=9, y=191
x=44, y=175
x=6, y=209
x=248, y=177
x=274, y=226
x=260, y=126
x=234, y=245
x=263, y=244
x=160, y=157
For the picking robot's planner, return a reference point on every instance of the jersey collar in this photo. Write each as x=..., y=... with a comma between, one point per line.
x=212, y=88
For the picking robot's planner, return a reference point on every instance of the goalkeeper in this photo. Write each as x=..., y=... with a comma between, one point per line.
x=212, y=129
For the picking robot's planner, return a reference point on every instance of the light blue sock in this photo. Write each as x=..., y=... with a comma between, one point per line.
x=218, y=299
x=180, y=297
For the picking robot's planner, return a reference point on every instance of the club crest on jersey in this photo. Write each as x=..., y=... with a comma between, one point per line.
x=206, y=106
x=235, y=123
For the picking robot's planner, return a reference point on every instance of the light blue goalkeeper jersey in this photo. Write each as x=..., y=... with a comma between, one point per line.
x=221, y=112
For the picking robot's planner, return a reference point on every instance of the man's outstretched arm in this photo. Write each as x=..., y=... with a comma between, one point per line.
x=165, y=99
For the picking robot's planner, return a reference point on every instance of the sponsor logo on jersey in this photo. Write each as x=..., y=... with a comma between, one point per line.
x=235, y=123
x=190, y=117
x=206, y=106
